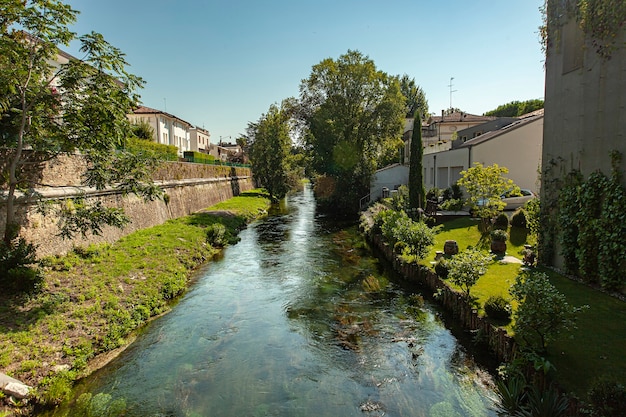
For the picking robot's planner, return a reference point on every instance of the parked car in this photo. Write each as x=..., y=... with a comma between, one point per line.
x=514, y=202
x=517, y=200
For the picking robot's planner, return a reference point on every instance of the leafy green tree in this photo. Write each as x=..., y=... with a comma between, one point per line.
x=465, y=268
x=516, y=108
x=543, y=312
x=49, y=108
x=485, y=186
x=349, y=110
x=417, y=192
x=270, y=145
x=143, y=130
x=415, y=99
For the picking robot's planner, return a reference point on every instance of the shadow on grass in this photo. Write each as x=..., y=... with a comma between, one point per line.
x=20, y=311
x=255, y=193
x=208, y=218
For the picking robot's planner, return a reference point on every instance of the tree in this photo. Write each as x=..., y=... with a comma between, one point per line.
x=416, y=237
x=516, y=108
x=270, y=145
x=143, y=130
x=465, y=268
x=49, y=108
x=349, y=110
x=543, y=312
x=415, y=99
x=417, y=193
x=485, y=186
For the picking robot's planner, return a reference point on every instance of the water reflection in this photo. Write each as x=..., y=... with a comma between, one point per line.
x=297, y=319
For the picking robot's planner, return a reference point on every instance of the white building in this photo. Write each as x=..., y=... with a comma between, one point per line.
x=516, y=146
x=168, y=129
x=200, y=140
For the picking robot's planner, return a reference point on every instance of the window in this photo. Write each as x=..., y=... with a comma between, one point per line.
x=572, y=43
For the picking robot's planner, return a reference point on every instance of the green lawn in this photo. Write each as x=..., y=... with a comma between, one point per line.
x=593, y=350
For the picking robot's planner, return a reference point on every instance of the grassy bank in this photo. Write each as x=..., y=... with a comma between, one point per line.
x=94, y=298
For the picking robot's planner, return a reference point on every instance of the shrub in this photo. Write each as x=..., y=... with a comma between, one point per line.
x=466, y=268
x=158, y=150
x=607, y=398
x=389, y=219
x=499, y=235
x=543, y=312
x=452, y=205
x=442, y=268
x=417, y=237
x=502, y=221
x=216, y=235
x=519, y=219
x=497, y=307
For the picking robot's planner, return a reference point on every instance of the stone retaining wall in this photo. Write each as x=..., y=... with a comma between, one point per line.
x=189, y=188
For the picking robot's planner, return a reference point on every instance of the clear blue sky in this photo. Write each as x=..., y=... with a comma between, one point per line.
x=219, y=64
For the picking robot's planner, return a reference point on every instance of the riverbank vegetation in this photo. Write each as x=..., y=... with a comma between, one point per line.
x=584, y=359
x=92, y=299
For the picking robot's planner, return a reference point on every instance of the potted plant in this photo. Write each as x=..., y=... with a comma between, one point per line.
x=498, y=241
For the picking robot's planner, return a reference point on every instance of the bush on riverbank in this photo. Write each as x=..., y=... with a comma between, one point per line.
x=93, y=298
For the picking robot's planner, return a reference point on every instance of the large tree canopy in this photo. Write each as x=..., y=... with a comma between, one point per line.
x=52, y=104
x=270, y=143
x=351, y=111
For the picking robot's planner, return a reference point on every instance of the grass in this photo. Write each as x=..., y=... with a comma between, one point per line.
x=500, y=275
x=596, y=348
x=94, y=298
x=593, y=350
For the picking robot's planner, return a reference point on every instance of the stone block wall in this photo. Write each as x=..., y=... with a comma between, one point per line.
x=190, y=188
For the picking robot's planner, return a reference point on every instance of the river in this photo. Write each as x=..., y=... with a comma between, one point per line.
x=294, y=320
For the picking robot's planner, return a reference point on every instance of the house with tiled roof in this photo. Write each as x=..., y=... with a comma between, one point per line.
x=516, y=145
x=438, y=132
x=167, y=128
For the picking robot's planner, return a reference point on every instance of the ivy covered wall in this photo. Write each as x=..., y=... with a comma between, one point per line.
x=584, y=138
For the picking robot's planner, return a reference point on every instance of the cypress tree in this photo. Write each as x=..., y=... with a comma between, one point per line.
x=417, y=194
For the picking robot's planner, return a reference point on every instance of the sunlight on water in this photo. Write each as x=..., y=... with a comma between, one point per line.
x=294, y=320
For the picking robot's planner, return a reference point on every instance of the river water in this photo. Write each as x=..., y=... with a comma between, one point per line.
x=287, y=324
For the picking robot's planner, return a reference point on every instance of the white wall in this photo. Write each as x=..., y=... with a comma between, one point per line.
x=389, y=177
x=519, y=150
x=443, y=169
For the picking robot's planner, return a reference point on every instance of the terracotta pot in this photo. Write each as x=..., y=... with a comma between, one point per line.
x=498, y=246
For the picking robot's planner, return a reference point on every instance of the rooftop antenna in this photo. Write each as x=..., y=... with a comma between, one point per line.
x=451, y=91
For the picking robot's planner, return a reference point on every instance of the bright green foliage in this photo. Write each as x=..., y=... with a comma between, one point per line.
x=417, y=238
x=466, y=267
x=158, y=151
x=542, y=313
x=47, y=110
x=485, y=186
x=270, y=144
x=388, y=220
x=516, y=108
x=417, y=193
x=350, y=111
x=415, y=99
x=142, y=130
